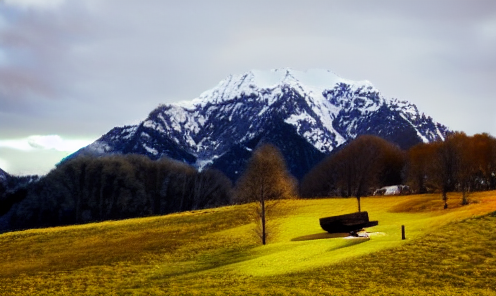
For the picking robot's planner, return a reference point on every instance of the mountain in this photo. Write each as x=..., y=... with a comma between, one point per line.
x=306, y=114
x=3, y=177
x=12, y=182
x=12, y=191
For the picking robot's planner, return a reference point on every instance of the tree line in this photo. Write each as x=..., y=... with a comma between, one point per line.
x=459, y=163
x=87, y=189
x=363, y=164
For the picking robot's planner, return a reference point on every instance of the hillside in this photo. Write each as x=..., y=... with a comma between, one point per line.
x=212, y=252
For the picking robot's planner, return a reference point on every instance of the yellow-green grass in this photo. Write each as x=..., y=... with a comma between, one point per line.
x=447, y=252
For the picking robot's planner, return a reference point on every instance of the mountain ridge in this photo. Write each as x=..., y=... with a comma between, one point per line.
x=3, y=176
x=322, y=108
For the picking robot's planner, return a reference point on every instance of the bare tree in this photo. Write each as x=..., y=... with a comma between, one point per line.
x=89, y=189
x=210, y=188
x=484, y=152
x=419, y=160
x=444, y=166
x=265, y=179
x=360, y=164
x=467, y=164
x=471, y=162
x=320, y=181
x=460, y=163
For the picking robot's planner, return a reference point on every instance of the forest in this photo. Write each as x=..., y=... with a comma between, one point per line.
x=89, y=189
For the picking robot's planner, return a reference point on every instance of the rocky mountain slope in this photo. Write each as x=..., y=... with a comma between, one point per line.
x=3, y=176
x=306, y=114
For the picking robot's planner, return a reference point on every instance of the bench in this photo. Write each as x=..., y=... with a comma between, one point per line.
x=347, y=223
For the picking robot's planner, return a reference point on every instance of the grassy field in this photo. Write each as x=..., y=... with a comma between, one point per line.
x=214, y=252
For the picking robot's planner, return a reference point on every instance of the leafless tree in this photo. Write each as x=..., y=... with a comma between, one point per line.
x=365, y=163
x=419, y=161
x=444, y=167
x=266, y=179
x=358, y=164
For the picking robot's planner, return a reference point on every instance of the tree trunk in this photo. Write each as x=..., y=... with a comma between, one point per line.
x=465, y=192
x=263, y=221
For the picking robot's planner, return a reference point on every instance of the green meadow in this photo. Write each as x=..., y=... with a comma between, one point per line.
x=215, y=252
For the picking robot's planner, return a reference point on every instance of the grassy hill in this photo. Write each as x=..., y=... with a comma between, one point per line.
x=213, y=252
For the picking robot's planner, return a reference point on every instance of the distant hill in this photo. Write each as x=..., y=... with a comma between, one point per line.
x=11, y=182
x=13, y=190
x=306, y=114
x=3, y=176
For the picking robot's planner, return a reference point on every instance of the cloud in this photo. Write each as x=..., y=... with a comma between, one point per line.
x=54, y=142
x=37, y=4
x=4, y=165
x=35, y=162
x=49, y=142
x=22, y=145
x=36, y=155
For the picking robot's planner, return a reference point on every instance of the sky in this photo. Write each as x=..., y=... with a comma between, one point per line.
x=71, y=70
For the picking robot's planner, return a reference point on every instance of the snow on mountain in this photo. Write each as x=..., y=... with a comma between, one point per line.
x=258, y=92
x=323, y=109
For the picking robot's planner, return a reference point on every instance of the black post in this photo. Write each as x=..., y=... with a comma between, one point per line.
x=403, y=232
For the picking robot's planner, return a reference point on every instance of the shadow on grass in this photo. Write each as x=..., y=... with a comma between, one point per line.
x=203, y=262
x=322, y=235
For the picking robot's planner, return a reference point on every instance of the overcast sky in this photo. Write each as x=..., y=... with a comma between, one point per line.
x=70, y=70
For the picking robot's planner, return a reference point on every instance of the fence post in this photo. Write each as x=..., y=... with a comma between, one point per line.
x=403, y=232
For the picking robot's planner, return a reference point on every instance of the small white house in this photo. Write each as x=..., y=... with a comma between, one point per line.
x=393, y=190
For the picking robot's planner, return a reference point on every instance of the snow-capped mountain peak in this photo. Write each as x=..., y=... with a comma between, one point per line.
x=316, y=106
x=312, y=82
